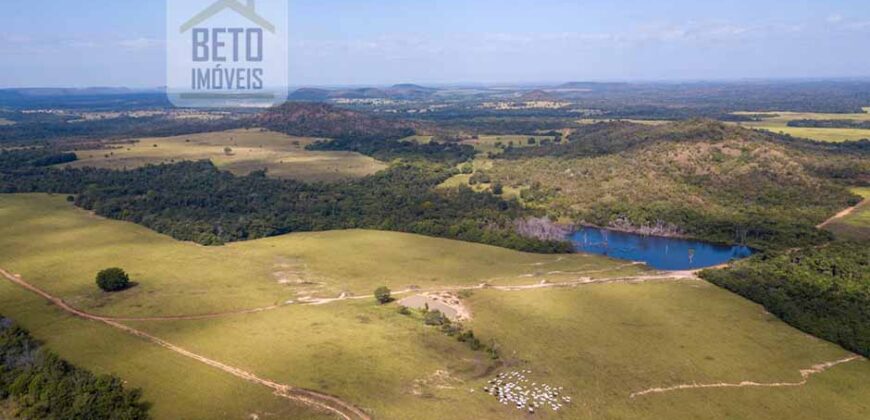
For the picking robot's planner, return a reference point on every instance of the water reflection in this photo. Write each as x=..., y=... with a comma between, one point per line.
x=657, y=252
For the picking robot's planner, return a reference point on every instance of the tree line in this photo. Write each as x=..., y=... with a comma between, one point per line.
x=42, y=386
x=194, y=201
x=824, y=291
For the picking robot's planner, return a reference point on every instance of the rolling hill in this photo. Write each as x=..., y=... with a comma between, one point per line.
x=698, y=178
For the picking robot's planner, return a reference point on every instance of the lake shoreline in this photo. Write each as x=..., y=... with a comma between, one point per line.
x=659, y=252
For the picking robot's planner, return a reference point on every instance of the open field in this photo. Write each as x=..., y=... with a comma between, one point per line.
x=418, y=139
x=488, y=143
x=777, y=122
x=602, y=342
x=4, y=121
x=480, y=163
x=250, y=150
x=645, y=122
x=855, y=225
x=179, y=387
x=49, y=233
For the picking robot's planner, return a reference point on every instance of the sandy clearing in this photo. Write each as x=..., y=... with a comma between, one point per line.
x=449, y=304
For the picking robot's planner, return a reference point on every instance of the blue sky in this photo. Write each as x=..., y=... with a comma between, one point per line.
x=356, y=42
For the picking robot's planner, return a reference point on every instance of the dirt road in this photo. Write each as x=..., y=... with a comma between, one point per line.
x=843, y=214
x=313, y=399
x=805, y=376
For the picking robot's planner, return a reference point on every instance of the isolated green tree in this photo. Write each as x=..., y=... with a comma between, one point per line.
x=113, y=280
x=383, y=295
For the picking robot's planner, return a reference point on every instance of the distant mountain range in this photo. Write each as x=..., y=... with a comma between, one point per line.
x=398, y=92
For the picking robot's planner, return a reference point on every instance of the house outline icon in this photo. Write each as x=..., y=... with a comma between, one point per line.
x=247, y=11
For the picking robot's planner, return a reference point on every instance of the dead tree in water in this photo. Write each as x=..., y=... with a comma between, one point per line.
x=542, y=228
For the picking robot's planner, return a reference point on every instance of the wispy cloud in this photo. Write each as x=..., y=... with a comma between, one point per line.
x=140, y=43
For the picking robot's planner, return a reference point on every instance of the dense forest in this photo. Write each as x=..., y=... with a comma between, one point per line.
x=863, y=125
x=52, y=129
x=387, y=150
x=38, y=385
x=194, y=201
x=32, y=157
x=824, y=291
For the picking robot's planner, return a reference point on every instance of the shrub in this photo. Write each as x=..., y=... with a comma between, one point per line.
x=434, y=318
x=113, y=280
x=452, y=330
x=383, y=295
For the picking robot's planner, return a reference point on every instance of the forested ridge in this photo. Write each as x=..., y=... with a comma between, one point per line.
x=41, y=386
x=695, y=178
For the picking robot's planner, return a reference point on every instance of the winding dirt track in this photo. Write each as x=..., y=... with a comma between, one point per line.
x=805, y=376
x=314, y=399
x=842, y=214
x=348, y=411
x=666, y=275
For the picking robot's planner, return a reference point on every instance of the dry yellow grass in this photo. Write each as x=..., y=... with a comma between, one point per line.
x=777, y=122
x=249, y=150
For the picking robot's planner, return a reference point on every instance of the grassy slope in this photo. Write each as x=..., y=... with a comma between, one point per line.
x=251, y=150
x=60, y=248
x=177, y=387
x=604, y=342
x=601, y=342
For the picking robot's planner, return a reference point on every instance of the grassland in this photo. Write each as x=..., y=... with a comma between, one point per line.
x=48, y=233
x=777, y=122
x=249, y=150
x=489, y=143
x=601, y=342
x=418, y=139
x=855, y=225
x=5, y=122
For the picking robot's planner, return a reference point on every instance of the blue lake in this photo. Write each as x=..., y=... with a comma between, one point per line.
x=657, y=252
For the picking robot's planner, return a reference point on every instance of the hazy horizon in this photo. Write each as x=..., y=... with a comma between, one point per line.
x=485, y=42
x=473, y=84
